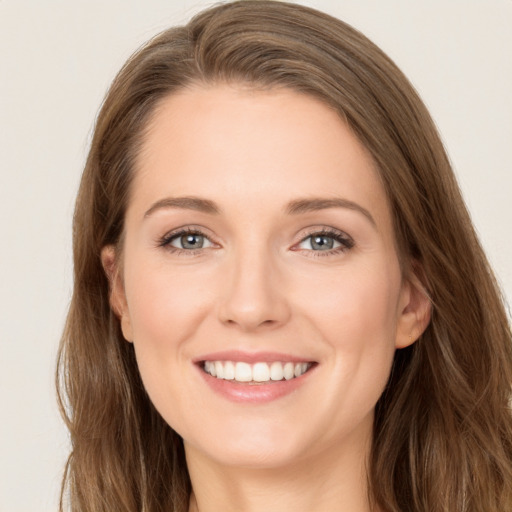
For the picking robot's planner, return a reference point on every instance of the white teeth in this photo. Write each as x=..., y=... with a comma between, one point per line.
x=288, y=371
x=243, y=372
x=219, y=369
x=229, y=370
x=300, y=368
x=258, y=372
x=261, y=372
x=276, y=371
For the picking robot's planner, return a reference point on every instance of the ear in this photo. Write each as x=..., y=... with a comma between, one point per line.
x=118, y=301
x=415, y=309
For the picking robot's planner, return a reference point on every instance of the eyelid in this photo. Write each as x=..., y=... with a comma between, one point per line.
x=165, y=240
x=346, y=241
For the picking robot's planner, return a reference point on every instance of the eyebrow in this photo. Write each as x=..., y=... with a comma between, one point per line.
x=295, y=207
x=300, y=206
x=185, y=203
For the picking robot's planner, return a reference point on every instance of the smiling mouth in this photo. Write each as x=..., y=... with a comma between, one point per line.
x=256, y=373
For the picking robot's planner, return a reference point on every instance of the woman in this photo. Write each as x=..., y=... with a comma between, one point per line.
x=279, y=298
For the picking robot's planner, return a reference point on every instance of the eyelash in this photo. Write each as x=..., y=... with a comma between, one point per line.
x=345, y=241
x=166, y=240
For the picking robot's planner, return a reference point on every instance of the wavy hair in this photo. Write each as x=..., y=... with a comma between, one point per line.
x=443, y=427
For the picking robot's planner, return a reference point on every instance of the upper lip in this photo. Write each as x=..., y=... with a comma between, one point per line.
x=251, y=357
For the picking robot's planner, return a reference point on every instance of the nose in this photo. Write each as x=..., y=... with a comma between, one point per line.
x=255, y=296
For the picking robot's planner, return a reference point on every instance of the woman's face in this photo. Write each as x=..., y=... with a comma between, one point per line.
x=259, y=246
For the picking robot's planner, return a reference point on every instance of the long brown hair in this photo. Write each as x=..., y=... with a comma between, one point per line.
x=443, y=427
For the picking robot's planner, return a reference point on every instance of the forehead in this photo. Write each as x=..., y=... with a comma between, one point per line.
x=237, y=145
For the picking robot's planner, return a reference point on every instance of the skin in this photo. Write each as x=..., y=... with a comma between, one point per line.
x=257, y=284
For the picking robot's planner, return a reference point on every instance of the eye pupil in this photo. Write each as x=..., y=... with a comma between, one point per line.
x=192, y=241
x=322, y=243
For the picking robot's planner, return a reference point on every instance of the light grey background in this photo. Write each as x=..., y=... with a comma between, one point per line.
x=57, y=58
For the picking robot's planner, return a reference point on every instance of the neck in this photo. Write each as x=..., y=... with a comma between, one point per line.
x=331, y=482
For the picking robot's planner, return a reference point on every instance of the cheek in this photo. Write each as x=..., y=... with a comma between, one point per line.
x=165, y=310
x=360, y=301
x=165, y=306
x=356, y=314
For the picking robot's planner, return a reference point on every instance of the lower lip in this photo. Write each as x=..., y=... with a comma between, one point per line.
x=263, y=392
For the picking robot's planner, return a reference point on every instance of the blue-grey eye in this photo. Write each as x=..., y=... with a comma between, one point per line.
x=319, y=242
x=190, y=241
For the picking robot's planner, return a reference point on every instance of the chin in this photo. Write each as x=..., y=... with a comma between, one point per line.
x=252, y=448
